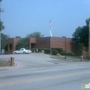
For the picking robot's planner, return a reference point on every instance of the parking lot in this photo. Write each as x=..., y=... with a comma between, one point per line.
x=29, y=60
x=33, y=60
x=36, y=69
x=37, y=60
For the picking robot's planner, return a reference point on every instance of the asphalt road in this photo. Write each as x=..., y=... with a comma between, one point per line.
x=40, y=72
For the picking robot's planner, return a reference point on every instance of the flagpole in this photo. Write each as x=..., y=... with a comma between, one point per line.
x=50, y=23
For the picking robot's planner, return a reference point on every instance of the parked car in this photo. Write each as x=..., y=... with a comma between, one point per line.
x=22, y=50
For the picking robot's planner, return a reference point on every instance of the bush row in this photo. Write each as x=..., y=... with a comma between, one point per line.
x=55, y=51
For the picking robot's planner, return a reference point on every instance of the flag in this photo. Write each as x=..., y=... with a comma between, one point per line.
x=50, y=23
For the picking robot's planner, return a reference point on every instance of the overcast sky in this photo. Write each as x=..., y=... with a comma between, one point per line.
x=22, y=17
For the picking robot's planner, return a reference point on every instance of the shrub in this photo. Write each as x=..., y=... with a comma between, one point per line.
x=6, y=47
x=39, y=50
x=67, y=53
x=63, y=53
x=54, y=51
x=47, y=51
x=70, y=54
x=60, y=50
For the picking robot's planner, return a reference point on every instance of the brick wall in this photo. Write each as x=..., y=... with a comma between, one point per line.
x=42, y=43
x=13, y=42
x=58, y=42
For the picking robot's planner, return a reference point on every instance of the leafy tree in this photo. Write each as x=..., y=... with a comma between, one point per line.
x=18, y=36
x=23, y=43
x=3, y=39
x=1, y=26
x=87, y=21
x=80, y=37
x=84, y=35
x=34, y=35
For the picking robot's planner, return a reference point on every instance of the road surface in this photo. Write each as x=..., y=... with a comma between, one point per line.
x=45, y=74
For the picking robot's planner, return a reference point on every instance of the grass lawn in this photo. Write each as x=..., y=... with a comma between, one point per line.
x=4, y=63
x=70, y=58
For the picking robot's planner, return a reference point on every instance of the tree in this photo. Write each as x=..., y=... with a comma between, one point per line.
x=34, y=35
x=87, y=21
x=76, y=44
x=80, y=37
x=3, y=39
x=23, y=43
x=1, y=26
x=84, y=35
x=18, y=36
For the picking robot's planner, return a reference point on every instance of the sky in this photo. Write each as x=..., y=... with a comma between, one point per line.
x=23, y=17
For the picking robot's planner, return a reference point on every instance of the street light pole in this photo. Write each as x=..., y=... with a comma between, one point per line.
x=0, y=25
x=50, y=46
x=89, y=43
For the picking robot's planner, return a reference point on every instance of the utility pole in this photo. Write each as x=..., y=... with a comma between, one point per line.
x=0, y=26
x=50, y=45
x=89, y=43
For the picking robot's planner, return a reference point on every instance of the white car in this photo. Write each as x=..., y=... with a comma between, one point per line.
x=22, y=50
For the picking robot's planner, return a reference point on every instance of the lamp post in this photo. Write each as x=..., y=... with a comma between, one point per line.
x=89, y=43
x=0, y=25
x=50, y=46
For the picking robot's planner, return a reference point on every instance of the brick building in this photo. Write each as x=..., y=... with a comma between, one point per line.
x=41, y=43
